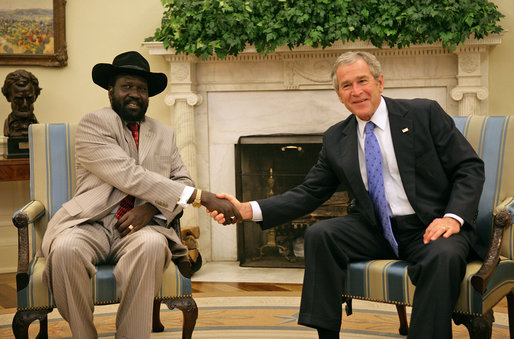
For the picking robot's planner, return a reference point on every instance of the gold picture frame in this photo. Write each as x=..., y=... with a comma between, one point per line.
x=33, y=36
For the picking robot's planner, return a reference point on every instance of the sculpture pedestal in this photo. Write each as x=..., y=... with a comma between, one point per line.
x=17, y=148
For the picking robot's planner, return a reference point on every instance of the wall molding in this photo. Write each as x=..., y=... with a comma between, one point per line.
x=306, y=52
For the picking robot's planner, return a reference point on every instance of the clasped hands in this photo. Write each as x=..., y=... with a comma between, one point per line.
x=223, y=208
x=140, y=216
x=244, y=210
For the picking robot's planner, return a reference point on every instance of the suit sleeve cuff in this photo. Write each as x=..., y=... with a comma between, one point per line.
x=256, y=210
x=184, y=197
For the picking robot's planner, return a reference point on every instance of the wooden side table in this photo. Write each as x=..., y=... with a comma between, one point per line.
x=14, y=169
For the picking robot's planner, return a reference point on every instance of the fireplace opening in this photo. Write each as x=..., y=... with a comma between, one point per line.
x=268, y=165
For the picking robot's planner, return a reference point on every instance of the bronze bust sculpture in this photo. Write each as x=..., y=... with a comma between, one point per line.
x=21, y=88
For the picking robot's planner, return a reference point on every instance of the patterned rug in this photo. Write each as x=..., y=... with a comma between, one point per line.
x=253, y=318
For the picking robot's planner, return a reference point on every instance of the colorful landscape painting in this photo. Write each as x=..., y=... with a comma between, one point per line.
x=26, y=27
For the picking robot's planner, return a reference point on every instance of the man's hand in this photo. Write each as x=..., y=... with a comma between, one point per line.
x=441, y=226
x=243, y=207
x=222, y=207
x=138, y=217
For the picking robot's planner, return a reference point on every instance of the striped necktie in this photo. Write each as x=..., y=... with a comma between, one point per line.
x=128, y=202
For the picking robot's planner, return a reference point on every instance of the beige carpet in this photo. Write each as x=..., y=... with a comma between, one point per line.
x=253, y=317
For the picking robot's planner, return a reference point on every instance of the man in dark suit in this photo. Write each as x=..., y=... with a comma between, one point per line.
x=416, y=199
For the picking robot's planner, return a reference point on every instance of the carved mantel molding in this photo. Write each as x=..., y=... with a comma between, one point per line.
x=250, y=53
x=305, y=67
x=192, y=99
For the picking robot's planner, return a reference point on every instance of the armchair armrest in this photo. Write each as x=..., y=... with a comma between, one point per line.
x=480, y=279
x=29, y=213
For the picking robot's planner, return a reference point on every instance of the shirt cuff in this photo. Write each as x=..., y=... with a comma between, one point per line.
x=185, y=196
x=456, y=217
x=256, y=210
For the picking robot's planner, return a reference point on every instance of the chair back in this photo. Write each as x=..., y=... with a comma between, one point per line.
x=52, y=172
x=492, y=137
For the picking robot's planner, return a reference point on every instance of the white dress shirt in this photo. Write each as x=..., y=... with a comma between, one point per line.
x=394, y=191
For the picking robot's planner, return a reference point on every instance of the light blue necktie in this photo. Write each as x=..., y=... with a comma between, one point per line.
x=376, y=183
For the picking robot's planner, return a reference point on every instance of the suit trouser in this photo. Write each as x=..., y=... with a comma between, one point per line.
x=140, y=262
x=436, y=269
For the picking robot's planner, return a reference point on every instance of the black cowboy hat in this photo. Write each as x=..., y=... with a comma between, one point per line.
x=130, y=63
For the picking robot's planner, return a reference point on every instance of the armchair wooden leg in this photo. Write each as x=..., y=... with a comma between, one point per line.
x=510, y=307
x=43, y=328
x=189, y=310
x=23, y=319
x=402, y=315
x=157, y=326
x=479, y=327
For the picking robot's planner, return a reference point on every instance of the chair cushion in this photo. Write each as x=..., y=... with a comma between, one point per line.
x=36, y=294
x=388, y=281
x=380, y=280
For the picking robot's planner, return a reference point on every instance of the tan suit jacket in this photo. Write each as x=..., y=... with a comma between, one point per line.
x=109, y=166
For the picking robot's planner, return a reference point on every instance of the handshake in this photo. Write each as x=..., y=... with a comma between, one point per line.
x=225, y=208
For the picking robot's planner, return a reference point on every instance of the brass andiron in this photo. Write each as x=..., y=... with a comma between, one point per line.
x=272, y=243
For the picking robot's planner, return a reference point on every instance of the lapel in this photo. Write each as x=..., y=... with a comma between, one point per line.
x=146, y=139
x=402, y=133
x=131, y=148
x=348, y=159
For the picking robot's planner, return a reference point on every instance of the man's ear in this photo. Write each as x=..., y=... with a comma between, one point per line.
x=339, y=95
x=109, y=92
x=381, y=82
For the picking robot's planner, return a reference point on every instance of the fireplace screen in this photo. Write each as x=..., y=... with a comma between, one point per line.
x=267, y=165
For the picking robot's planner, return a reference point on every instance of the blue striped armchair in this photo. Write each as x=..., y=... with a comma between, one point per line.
x=485, y=283
x=52, y=182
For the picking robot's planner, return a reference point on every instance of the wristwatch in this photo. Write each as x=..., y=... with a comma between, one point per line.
x=198, y=199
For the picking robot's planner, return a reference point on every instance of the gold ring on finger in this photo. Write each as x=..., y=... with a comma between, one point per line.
x=232, y=218
x=131, y=227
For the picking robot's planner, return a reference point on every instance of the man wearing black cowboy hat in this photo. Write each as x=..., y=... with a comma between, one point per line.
x=131, y=182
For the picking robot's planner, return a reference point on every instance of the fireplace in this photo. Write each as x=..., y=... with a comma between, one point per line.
x=267, y=165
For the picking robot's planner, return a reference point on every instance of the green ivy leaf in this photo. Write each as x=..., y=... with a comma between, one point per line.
x=226, y=27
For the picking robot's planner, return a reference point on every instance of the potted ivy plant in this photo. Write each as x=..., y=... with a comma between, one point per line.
x=227, y=27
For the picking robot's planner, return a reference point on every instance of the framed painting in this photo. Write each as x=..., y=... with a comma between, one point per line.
x=32, y=32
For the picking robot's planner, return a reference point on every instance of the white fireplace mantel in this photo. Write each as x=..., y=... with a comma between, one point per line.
x=214, y=102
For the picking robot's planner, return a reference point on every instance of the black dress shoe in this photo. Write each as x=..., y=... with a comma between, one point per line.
x=327, y=334
x=184, y=266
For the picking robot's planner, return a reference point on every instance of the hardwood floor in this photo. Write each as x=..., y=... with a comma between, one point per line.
x=220, y=289
x=7, y=292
